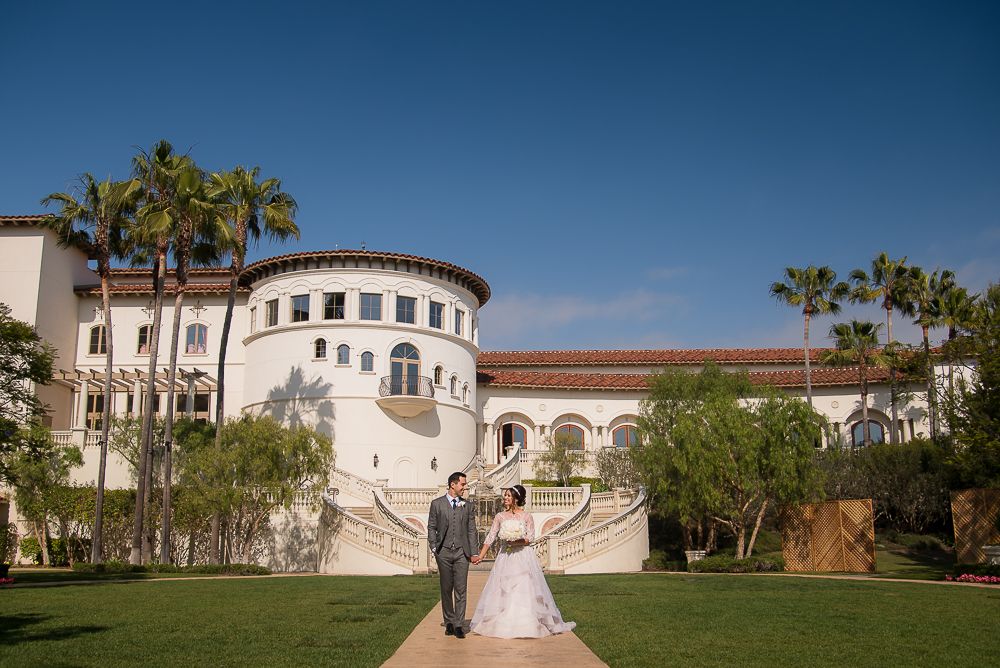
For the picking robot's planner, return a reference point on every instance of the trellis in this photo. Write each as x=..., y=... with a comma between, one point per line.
x=831, y=536
x=975, y=514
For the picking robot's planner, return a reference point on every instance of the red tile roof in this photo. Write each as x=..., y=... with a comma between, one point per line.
x=16, y=220
x=478, y=284
x=147, y=289
x=640, y=382
x=644, y=357
x=146, y=271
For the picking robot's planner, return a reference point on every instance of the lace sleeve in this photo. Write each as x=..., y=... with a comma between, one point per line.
x=529, y=527
x=494, y=530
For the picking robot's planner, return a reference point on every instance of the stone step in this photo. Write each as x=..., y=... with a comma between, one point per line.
x=364, y=512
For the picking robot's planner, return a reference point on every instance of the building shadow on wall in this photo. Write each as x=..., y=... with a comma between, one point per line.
x=427, y=425
x=302, y=402
x=296, y=551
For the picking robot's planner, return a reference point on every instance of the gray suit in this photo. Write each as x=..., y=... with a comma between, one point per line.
x=452, y=537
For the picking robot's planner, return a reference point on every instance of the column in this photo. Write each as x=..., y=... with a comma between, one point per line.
x=137, y=388
x=81, y=411
x=389, y=305
x=315, y=304
x=352, y=304
x=491, y=444
x=595, y=438
x=284, y=308
x=422, y=307
x=538, y=436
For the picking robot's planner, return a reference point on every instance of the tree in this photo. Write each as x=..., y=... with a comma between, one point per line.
x=712, y=448
x=260, y=466
x=250, y=208
x=816, y=291
x=94, y=219
x=615, y=468
x=927, y=293
x=25, y=361
x=974, y=410
x=156, y=172
x=34, y=476
x=561, y=460
x=890, y=282
x=195, y=219
x=857, y=344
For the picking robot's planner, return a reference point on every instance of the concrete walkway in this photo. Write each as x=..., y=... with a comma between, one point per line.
x=427, y=645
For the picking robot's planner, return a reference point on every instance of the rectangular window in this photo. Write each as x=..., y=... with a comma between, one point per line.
x=437, y=316
x=459, y=322
x=371, y=306
x=271, y=313
x=300, y=308
x=406, y=309
x=333, y=305
x=144, y=332
x=253, y=319
x=98, y=345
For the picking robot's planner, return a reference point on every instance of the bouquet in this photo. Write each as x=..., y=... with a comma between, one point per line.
x=511, y=530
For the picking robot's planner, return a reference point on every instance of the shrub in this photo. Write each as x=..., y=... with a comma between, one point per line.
x=977, y=569
x=658, y=561
x=8, y=542
x=120, y=567
x=721, y=563
x=30, y=549
x=917, y=542
x=228, y=569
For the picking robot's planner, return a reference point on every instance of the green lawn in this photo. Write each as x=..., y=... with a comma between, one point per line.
x=33, y=575
x=722, y=620
x=258, y=622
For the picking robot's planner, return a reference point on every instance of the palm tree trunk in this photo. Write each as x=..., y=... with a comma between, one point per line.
x=931, y=390
x=97, y=546
x=805, y=337
x=146, y=448
x=866, y=434
x=220, y=394
x=169, y=427
x=893, y=438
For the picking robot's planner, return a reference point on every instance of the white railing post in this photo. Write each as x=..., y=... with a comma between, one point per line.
x=553, y=552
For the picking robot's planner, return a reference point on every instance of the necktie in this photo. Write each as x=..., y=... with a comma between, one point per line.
x=454, y=504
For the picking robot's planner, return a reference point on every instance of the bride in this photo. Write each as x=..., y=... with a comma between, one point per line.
x=516, y=601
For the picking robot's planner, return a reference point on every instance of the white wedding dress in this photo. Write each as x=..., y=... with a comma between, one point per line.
x=516, y=601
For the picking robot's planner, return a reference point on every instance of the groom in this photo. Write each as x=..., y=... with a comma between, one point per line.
x=452, y=537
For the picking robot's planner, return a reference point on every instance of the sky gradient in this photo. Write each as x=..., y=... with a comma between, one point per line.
x=624, y=175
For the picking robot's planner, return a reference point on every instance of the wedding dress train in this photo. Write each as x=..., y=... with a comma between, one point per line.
x=516, y=601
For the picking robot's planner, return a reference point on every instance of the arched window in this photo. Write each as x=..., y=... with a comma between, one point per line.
x=98, y=344
x=454, y=386
x=876, y=432
x=197, y=339
x=439, y=375
x=465, y=394
x=319, y=349
x=404, y=367
x=573, y=431
x=343, y=354
x=367, y=361
x=625, y=436
x=145, y=335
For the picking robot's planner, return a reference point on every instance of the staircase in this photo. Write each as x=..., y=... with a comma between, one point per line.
x=367, y=513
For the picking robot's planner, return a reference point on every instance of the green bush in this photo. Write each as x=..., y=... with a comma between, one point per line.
x=119, y=567
x=917, y=542
x=977, y=569
x=30, y=549
x=721, y=563
x=596, y=484
x=8, y=542
x=658, y=561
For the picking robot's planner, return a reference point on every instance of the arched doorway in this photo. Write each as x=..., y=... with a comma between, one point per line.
x=404, y=367
x=509, y=435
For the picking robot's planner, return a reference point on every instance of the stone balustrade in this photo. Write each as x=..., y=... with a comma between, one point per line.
x=413, y=500
x=554, y=499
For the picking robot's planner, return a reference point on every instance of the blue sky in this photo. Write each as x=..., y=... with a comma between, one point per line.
x=623, y=174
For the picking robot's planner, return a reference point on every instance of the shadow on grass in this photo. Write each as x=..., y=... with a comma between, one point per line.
x=915, y=564
x=19, y=629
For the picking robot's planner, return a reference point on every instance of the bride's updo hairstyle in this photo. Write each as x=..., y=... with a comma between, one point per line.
x=518, y=494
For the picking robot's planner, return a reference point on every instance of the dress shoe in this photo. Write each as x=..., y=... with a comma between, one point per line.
x=459, y=632
x=449, y=630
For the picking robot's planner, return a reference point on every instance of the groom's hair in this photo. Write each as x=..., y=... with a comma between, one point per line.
x=455, y=477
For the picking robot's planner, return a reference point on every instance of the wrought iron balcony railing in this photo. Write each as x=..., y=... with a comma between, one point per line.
x=406, y=386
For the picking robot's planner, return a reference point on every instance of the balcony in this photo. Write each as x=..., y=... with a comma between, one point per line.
x=406, y=396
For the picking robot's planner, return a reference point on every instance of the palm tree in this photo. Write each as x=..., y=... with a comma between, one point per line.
x=890, y=282
x=156, y=172
x=250, y=208
x=816, y=292
x=857, y=343
x=195, y=218
x=927, y=291
x=93, y=219
x=956, y=311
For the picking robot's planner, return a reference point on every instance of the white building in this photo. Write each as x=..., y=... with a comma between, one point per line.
x=381, y=352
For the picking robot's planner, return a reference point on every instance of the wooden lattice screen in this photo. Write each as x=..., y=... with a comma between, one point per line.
x=975, y=513
x=831, y=536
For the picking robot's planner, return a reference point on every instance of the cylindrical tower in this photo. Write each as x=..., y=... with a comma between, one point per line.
x=378, y=350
